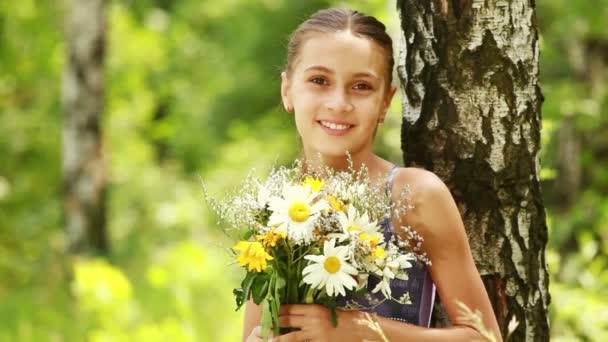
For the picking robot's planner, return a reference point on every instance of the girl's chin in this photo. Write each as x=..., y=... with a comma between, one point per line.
x=332, y=152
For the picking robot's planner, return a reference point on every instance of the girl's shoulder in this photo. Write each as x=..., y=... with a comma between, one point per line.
x=421, y=182
x=428, y=198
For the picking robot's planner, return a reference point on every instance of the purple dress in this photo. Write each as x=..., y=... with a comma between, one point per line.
x=419, y=286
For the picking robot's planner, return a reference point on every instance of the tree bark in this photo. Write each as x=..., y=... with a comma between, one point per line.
x=84, y=180
x=472, y=116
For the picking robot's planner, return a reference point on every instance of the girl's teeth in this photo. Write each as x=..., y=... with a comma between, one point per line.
x=334, y=125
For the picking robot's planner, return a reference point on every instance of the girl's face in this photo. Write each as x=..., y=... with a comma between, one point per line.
x=338, y=90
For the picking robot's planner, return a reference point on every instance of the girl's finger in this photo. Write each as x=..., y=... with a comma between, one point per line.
x=295, y=336
x=295, y=309
x=292, y=321
x=256, y=333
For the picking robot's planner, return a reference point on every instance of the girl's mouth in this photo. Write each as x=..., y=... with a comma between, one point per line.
x=334, y=128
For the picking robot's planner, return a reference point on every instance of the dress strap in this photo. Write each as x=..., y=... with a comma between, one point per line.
x=390, y=178
x=389, y=192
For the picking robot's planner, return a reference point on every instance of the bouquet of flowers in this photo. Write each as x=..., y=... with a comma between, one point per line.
x=311, y=238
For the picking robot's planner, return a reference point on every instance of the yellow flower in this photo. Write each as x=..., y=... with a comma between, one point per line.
x=379, y=252
x=271, y=237
x=373, y=240
x=336, y=203
x=316, y=184
x=253, y=255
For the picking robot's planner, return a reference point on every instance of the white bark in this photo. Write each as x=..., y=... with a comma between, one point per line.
x=83, y=100
x=472, y=116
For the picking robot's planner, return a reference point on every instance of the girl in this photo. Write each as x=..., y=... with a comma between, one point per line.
x=338, y=86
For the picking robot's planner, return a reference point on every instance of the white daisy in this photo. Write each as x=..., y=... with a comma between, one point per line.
x=394, y=268
x=384, y=286
x=354, y=224
x=404, y=263
x=330, y=270
x=295, y=212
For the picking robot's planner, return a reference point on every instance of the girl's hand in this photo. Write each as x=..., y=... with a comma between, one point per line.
x=315, y=323
x=256, y=335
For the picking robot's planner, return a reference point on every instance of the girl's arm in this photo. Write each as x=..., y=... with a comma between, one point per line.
x=436, y=217
x=315, y=322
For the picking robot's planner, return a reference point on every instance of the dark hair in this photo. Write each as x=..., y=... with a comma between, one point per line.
x=333, y=20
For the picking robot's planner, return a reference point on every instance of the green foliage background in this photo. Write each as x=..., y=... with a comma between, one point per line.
x=193, y=93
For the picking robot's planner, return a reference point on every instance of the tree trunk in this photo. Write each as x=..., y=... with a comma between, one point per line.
x=472, y=116
x=83, y=99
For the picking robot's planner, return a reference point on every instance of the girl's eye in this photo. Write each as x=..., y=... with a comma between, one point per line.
x=362, y=86
x=319, y=80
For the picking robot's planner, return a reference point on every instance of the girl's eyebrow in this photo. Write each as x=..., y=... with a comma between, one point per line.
x=329, y=71
x=319, y=68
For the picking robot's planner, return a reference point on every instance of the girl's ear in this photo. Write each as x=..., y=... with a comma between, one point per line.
x=387, y=102
x=285, y=92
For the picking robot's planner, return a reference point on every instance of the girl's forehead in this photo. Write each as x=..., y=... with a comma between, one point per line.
x=342, y=52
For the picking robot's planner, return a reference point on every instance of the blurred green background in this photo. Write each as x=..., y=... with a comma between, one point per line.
x=193, y=93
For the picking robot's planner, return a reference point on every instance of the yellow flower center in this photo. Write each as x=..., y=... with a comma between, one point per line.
x=354, y=229
x=380, y=253
x=299, y=212
x=373, y=240
x=332, y=264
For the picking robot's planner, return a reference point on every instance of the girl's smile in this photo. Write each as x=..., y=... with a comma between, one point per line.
x=335, y=128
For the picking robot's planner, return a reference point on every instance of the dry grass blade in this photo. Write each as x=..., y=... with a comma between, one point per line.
x=474, y=319
x=373, y=325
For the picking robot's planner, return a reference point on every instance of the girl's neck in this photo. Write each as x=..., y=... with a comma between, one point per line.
x=339, y=163
x=376, y=166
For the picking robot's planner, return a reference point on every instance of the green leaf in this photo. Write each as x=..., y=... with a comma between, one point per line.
x=239, y=296
x=280, y=282
x=266, y=318
x=259, y=289
x=276, y=304
x=248, y=234
x=242, y=294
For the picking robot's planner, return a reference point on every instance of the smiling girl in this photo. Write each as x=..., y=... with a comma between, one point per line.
x=338, y=85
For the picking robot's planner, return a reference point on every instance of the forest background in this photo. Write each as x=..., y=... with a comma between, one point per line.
x=192, y=92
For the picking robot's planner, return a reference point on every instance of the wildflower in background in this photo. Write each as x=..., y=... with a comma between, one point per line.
x=330, y=270
x=252, y=254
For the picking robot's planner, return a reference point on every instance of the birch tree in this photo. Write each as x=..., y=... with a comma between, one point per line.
x=472, y=115
x=83, y=99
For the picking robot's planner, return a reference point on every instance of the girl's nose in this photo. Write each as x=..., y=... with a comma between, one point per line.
x=339, y=102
